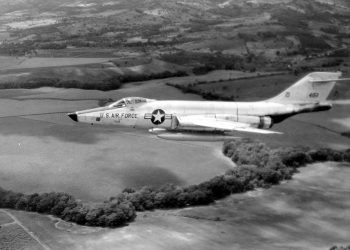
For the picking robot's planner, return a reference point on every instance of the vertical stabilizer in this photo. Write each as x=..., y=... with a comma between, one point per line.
x=313, y=88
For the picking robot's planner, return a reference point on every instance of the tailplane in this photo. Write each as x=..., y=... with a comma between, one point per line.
x=313, y=88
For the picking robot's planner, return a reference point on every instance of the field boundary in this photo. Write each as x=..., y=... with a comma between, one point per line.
x=16, y=221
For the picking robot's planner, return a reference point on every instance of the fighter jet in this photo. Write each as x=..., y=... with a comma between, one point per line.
x=214, y=120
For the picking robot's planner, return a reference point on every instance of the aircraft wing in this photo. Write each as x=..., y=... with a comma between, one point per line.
x=220, y=124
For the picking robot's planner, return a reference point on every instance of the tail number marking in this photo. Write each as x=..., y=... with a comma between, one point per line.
x=314, y=95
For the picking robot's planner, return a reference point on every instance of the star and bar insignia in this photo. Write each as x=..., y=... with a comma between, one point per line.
x=158, y=116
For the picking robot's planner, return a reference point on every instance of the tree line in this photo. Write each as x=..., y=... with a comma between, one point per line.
x=207, y=95
x=107, y=214
x=110, y=83
x=257, y=166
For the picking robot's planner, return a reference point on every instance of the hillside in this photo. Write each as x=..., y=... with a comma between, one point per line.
x=195, y=37
x=230, y=27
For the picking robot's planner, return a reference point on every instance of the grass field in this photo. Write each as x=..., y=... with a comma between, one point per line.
x=250, y=89
x=4, y=218
x=37, y=62
x=216, y=77
x=83, y=73
x=308, y=212
x=244, y=86
x=14, y=237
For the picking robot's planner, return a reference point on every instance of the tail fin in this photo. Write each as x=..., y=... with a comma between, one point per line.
x=313, y=88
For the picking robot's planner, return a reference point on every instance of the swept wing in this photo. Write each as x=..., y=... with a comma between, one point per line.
x=219, y=124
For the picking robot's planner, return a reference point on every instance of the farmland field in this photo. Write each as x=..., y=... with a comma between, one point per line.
x=309, y=211
x=14, y=237
x=28, y=63
x=256, y=88
x=4, y=218
x=31, y=23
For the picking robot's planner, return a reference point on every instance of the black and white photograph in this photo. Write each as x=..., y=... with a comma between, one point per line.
x=174, y=124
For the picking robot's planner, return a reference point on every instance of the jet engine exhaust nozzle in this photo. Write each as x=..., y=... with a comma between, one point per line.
x=73, y=116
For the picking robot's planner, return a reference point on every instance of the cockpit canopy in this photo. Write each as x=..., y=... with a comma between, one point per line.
x=129, y=101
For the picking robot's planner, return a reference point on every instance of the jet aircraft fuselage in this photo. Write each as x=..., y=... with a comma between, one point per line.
x=145, y=113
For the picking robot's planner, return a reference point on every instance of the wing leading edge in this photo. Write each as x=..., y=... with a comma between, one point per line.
x=220, y=124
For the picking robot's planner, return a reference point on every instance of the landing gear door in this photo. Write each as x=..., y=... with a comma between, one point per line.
x=174, y=122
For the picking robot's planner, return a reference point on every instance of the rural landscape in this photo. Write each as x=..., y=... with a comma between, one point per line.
x=73, y=186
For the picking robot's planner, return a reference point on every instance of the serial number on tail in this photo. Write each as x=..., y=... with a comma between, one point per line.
x=314, y=95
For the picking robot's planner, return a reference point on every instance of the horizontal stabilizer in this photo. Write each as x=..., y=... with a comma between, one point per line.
x=328, y=80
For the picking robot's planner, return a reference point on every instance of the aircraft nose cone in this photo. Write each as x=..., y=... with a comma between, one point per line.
x=73, y=116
